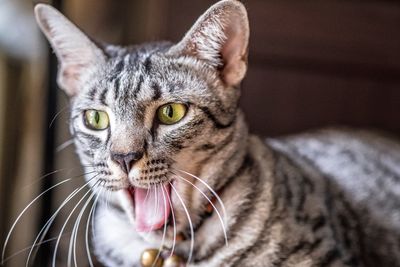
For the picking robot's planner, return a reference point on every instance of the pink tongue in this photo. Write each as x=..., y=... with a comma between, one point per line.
x=151, y=208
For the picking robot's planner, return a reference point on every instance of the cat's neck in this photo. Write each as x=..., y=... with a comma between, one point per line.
x=229, y=156
x=246, y=194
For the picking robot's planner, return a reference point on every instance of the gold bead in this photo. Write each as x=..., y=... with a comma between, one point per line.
x=173, y=261
x=148, y=258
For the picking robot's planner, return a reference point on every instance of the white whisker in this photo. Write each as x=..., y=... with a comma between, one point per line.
x=75, y=230
x=145, y=198
x=174, y=223
x=147, y=194
x=87, y=228
x=30, y=247
x=93, y=216
x=155, y=211
x=190, y=224
x=43, y=232
x=165, y=226
x=157, y=201
x=212, y=191
x=22, y=213
x=64, y=145
x=65, y=224
x=212, y=204
x=90, y=198
x=43, y=177
x=57, y=114
x=54, y=172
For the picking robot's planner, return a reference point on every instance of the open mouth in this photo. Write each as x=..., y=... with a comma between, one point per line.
x=151, y=206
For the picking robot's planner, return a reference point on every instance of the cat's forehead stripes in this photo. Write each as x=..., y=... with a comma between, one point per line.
x=129, y=71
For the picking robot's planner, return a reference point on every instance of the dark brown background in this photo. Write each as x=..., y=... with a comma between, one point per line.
x=312, y=63
x=316, y=63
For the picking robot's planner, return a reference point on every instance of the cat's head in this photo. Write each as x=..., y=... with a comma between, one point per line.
x=143, y=115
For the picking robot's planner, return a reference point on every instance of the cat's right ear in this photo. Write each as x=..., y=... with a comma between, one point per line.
x=220, y=37
x=75, y=51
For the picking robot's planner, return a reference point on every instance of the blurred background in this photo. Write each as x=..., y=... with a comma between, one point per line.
x=312, y=64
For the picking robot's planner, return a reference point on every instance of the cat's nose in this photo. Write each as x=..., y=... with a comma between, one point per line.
x=126, y=161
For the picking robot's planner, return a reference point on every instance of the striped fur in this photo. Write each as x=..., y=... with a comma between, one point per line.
x=325, y=198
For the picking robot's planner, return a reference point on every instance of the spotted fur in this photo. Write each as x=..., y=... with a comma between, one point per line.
x=325, y=198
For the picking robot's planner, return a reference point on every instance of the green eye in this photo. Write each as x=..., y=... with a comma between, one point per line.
x=171, y=113
x=96, y=119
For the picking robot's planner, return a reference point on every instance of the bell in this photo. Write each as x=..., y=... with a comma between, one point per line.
x=173, y=261
x=149, y=258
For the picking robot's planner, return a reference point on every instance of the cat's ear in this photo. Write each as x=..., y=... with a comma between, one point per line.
x=74, y=50
x=220, y=37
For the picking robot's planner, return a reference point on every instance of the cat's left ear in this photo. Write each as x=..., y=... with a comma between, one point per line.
x=220, y=37
x=75, y=51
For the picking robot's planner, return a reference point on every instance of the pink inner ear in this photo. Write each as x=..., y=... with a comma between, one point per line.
x=68, y=78
x=234, y=51
x=74, y=50
x=220, y=34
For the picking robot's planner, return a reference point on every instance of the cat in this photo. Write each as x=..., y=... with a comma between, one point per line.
x=159, y=125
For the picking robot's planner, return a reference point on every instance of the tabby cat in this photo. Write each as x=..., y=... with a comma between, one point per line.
x=159, y=125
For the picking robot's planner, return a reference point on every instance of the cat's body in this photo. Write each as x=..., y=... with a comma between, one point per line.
x=348, y=196
x=324, y=198
x=160, y=126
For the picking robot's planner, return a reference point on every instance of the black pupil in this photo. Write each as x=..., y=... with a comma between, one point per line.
x=169, y=111
x=97, y=117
